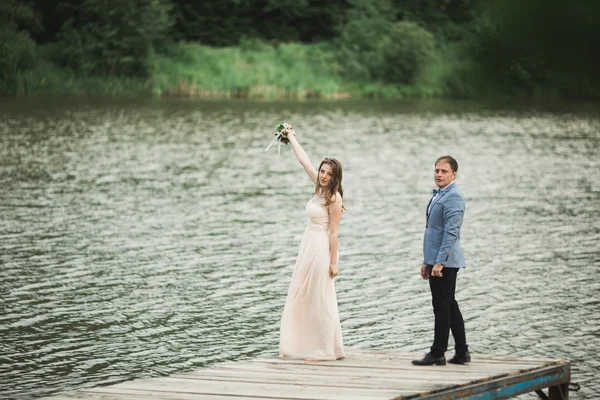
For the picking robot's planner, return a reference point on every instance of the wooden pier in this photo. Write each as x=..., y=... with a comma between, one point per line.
x=363, y=374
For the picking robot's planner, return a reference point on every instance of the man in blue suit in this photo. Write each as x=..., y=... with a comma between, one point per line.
x=442, y=259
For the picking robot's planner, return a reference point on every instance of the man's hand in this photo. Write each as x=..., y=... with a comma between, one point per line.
x=437, y=270
x=424, y=273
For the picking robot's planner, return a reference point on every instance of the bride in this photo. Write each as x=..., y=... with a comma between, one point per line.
x=310, y=325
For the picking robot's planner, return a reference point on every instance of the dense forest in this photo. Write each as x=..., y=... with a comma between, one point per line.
x=302, y=48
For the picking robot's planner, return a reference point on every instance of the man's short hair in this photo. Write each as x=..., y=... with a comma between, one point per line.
x=450, y=160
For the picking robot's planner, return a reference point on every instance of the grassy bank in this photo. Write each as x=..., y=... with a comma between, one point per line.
x=253, y=69
x=372, y=49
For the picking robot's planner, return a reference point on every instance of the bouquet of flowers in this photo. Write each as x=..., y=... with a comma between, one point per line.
x=281, y=136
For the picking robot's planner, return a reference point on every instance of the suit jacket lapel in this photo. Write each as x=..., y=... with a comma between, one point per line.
x=427, y=210
x=432, y=202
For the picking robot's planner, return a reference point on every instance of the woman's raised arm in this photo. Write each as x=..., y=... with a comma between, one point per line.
x=303, y=158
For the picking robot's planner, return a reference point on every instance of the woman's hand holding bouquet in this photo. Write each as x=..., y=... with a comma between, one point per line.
x=282, y=133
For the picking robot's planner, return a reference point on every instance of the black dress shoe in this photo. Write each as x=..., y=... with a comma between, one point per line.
x=430, y=360
x=460, y=358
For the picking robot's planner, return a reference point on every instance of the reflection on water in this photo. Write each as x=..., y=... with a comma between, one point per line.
x=143, y=238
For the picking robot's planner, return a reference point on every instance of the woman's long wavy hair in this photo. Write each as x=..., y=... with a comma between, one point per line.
x=335, y=184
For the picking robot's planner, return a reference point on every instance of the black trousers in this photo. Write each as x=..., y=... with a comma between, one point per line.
x=447, y=314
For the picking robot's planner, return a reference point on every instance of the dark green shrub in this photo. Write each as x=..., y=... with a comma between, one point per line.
x=406, y=51
x=114, y=37
x=538, y=46
x=359, y=48
x=17, y=49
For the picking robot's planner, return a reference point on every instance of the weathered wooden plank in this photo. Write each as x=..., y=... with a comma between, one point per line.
x=354, y=373
x=118, y=394
x=277, y=390
x=357, y=372
x=402, y=364
x=365, y=353
x=377, y=382
x=382, y=354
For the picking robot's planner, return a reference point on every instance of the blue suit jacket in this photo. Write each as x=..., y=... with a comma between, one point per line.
x=441, y=243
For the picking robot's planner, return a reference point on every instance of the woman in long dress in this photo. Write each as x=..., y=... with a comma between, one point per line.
x=310, y=325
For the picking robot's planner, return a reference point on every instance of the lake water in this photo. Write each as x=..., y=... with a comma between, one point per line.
x=140, y=238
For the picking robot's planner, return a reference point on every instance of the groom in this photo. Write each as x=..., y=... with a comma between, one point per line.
x=442, y=259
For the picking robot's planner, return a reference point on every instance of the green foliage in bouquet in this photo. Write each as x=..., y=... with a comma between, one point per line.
x=280, y=129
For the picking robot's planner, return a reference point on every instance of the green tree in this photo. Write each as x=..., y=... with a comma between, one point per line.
x=52, y=16
x=17, y=49
x=114, y=37
x=359, y=47
x=225, y=22
x=447, y=19
x=437, y=12
x=527, y=46
x=406, y=51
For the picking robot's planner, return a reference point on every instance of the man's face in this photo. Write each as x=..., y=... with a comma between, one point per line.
x=443, y=174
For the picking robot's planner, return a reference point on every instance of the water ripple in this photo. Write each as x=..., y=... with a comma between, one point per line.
x=141, y=239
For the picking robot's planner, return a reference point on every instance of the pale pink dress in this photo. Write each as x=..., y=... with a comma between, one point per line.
x=310, y=325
